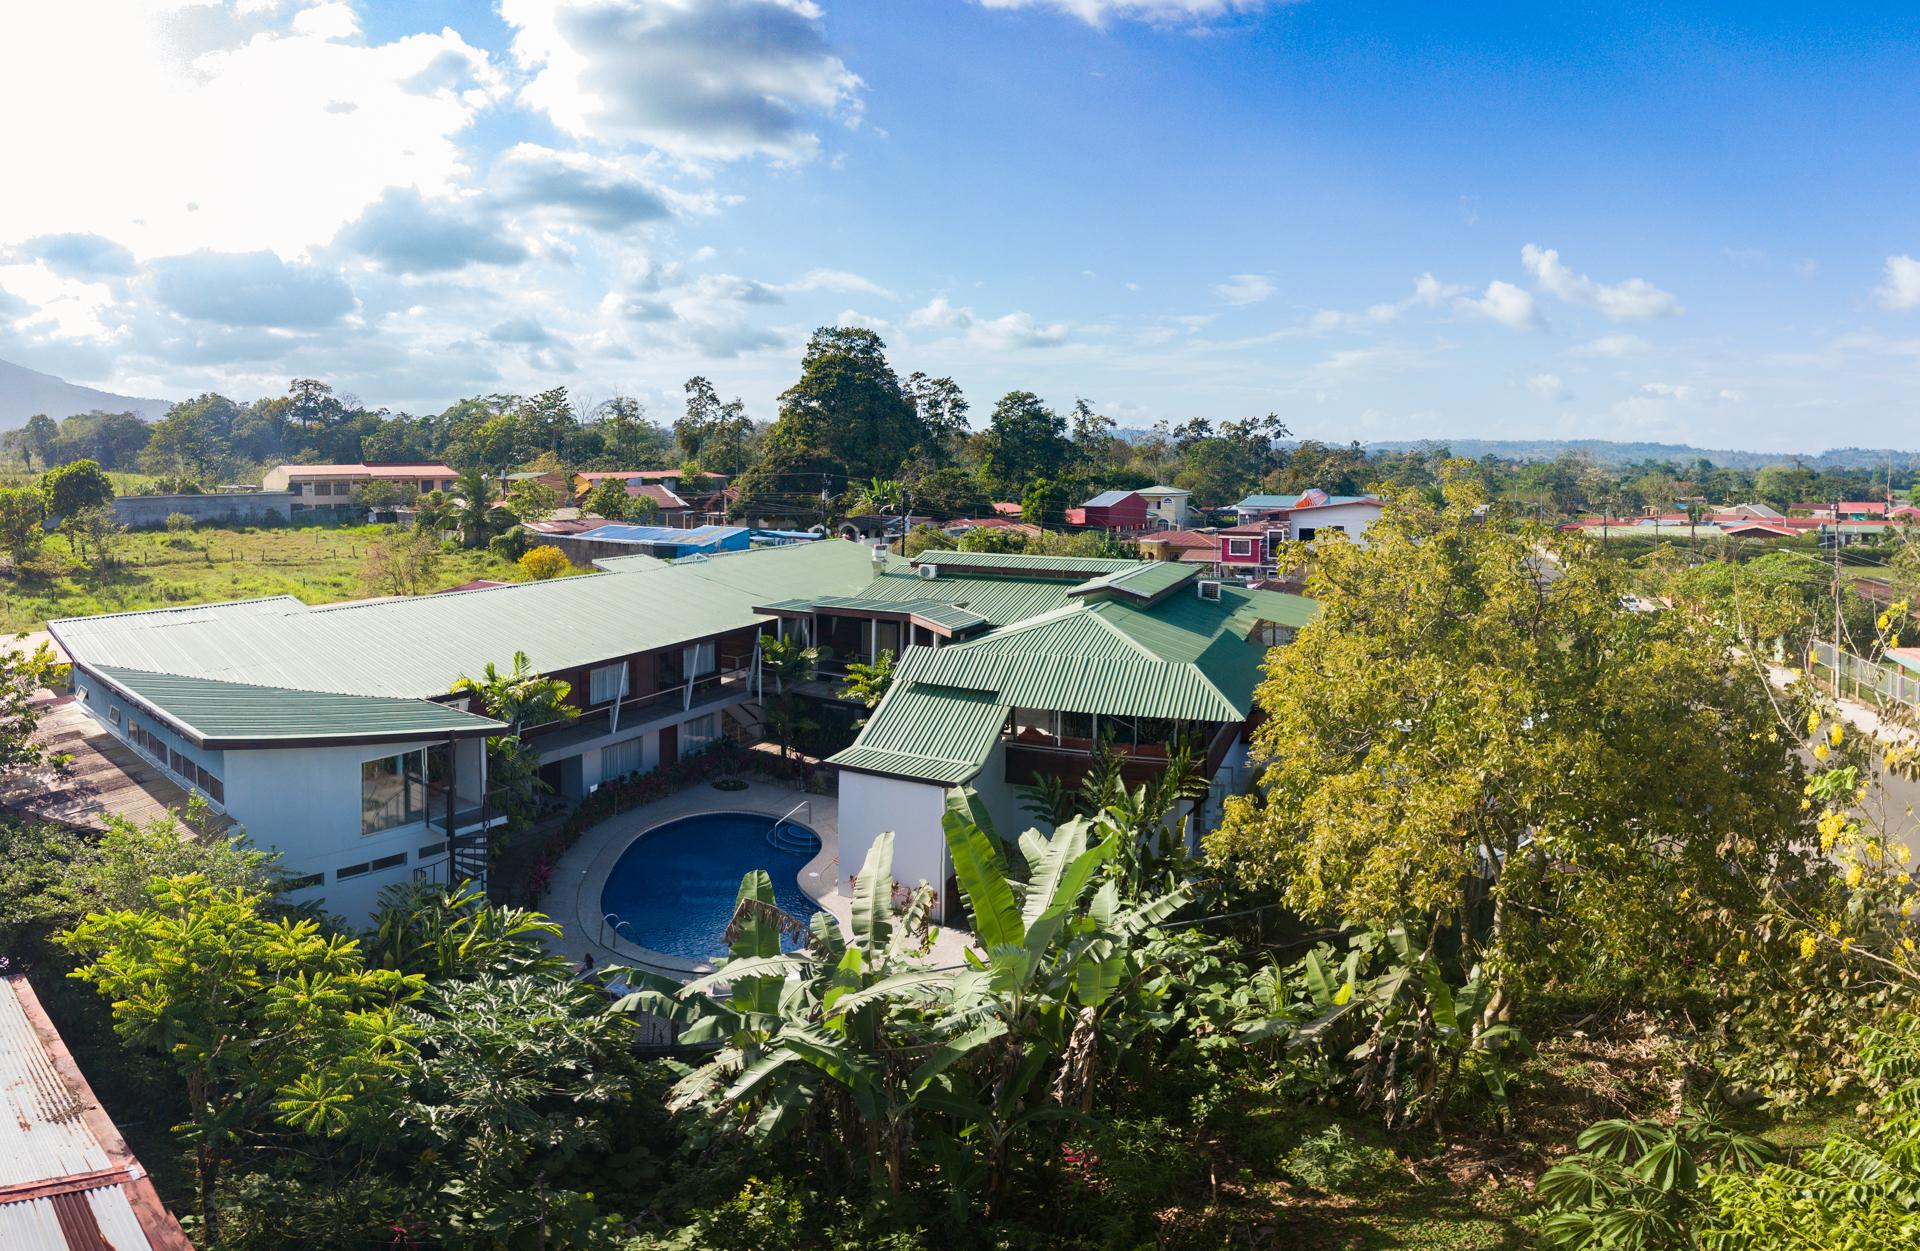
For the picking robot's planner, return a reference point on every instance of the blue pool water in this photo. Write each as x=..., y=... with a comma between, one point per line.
x=674, y=886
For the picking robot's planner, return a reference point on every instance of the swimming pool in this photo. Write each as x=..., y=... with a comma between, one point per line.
x=673, y=887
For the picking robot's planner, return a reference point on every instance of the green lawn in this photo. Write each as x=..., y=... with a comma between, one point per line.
x=156, y=569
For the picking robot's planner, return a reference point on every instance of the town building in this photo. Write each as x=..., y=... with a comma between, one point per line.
x=1012, y=669
x=333, y=488
x=1312, y=513
x=1168, y=508
x=1115, y=510
x=329, y=733
x=68, y=1180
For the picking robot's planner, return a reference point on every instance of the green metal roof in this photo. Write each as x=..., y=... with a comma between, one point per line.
x=1148, y=580
x=1017, y=564
x=934, y=733
x=627, y=564
x=1001, y=600
x=217, y=714
x=420, y=646
x=938, y=613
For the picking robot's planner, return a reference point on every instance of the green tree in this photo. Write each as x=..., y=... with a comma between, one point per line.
x=1046, y=502
x=1024, y=441
x=868, y=683
x=76, y=486
x=23, y=516
x=949, y=493
x=848, y=417
x=791, y=664
x=608, y=499
x=268, y=1020
x=190, y=444
x=37, y=440
x=1475, y=721
x=532, y=500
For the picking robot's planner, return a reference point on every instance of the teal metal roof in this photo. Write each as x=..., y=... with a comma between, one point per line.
x=1017, y=564
x=933, y=733
x=1147, y=581
x=421, y=645
x=940, y=614
x=219, y=714
x=627, y=564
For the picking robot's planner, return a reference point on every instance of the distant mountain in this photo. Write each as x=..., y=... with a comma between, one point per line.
x=24, y=392
x=1607, y=452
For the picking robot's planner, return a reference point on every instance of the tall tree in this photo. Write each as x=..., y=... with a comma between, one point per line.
x=190, y=444
x=1475, y=727
x=847, y=418
x=1024, y=440
x=267, y=1020
x=23, y=515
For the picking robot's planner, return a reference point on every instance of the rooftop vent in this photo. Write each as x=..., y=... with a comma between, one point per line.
x=1207, y=588
x=927, y=571
x=879, y=554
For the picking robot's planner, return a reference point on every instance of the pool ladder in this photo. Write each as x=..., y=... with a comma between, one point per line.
x=798, y=840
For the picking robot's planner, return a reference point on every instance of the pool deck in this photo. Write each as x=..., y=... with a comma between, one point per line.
x=573, y=897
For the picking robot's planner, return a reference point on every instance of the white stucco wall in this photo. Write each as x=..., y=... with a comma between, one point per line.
x=1354, y=519
x=871, y=805
x=305, y=804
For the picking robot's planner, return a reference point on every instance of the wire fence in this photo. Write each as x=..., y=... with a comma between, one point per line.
x=1859, y=678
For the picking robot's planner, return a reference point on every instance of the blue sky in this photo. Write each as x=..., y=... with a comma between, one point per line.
x=1381, y=221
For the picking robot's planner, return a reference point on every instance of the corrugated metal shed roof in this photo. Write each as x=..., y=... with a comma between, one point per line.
x=1146, y=581
x=934, y=733
x=1001, y=600
x=1107, y=499
x=1017, y=564
x=422, y=645
x=67, y=1179
x=220, y=714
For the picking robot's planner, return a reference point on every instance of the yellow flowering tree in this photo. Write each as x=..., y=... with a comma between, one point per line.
x=1478, y=735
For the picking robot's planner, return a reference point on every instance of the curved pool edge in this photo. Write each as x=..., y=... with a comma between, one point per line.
x=580, y=876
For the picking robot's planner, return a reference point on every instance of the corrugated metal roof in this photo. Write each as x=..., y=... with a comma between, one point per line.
x=1107, y=499
x=67, y=1179
x=1018, y=563
x=935, y=733
x=1144, y=581
x=422, y=645
x=214, y=713
x=1002, y=600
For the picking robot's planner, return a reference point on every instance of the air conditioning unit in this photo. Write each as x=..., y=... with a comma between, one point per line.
x=1208, y=588
x=928, y=572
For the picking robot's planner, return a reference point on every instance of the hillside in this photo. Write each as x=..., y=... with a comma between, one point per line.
x=1607, y=452
x=24, y=392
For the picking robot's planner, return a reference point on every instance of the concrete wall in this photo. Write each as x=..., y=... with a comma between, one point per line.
x=305, y=803
x=870, y=805
x=1354, y=519
x=149, y=512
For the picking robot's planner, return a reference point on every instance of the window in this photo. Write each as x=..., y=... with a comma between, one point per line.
x=113, y=714
x=607, y=682
x=1035, y=725
x=1239, y=547
x=431, y=850
x=388, y=862
x=620, y=759
x=302, y=883
x=700, y=660
x=1077, y=727
x=294, y=489
x=351, y=870
x=393, y=791
x=701, y=730
x=1305, y=534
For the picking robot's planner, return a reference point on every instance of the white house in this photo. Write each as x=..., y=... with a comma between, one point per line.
x=1313, y=513
x=1167, y=507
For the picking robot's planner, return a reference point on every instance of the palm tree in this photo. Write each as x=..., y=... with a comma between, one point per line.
x=881, y=496
x=473, y=512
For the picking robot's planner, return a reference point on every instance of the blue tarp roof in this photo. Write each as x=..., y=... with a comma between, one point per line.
x=696, y=536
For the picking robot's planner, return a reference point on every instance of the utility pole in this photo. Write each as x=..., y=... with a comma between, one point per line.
x=1836, y=598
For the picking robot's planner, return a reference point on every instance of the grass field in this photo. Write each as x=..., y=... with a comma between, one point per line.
x=156, y=569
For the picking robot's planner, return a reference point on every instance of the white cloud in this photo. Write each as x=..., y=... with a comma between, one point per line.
x=1613, y=346
x=1428, y=292
x=1504, y=303
x=1549, y=387
x=1100, y=12
x=212, y=133
x=1806, y=268
x=1901, y=289
x=837, y=280
x=1244, y=289
x=698, y=79
x=1667, y=390
x=1636, y=299
x=1012, y=330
